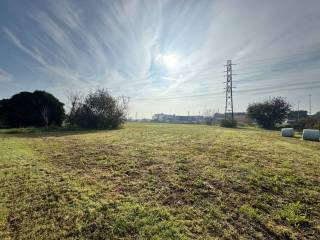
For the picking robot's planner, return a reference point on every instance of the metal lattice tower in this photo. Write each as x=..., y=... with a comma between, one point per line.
x=229, y=87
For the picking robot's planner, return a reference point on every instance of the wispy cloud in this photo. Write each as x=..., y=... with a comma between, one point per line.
x=115, y=44
x=5, y=76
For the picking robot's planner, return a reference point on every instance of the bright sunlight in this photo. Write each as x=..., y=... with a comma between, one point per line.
x=170, y=61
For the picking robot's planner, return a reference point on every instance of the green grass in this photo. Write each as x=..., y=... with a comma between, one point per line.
x=158, y=181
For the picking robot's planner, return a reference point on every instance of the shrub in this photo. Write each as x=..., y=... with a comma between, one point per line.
x=269, y=113
x=295, y=115
x=228, y=123
x=306, y=123
x=209, y=120
x=98, y=110
x=26, y=109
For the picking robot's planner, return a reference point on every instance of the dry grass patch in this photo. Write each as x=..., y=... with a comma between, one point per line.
x=161, y=181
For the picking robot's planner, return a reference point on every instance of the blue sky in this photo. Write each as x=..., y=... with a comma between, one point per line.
x=167, y=56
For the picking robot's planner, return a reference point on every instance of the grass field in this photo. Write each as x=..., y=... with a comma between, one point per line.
x=159, y=181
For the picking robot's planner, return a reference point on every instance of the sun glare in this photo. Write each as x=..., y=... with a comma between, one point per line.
x=171, y=61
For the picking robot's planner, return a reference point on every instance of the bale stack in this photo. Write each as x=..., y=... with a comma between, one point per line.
x=311, y=134
x=287, y=132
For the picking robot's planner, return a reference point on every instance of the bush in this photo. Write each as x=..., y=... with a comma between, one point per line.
x=307, y=123
x=209, y=120
x=295, y=115
x=26, y=109
x=269, y=113
x=228, y=123
x=98, y=110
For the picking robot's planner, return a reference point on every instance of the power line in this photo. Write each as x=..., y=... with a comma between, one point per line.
x=268, y=88
x=298, y=110
x=257, y=90
x=182, y=97
x=246, y=59
x=310, y=104
x=280, y=57
x=204, y=69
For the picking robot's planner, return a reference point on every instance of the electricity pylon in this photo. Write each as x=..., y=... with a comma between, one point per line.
x=229, y=95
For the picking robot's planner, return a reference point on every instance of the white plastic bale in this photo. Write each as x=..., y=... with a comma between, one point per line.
x=311, y=134
x=287, y=132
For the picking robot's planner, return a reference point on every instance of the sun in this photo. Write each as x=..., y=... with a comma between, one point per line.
x=171, y=61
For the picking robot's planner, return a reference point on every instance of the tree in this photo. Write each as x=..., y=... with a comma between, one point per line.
x=98, y=110
x=208, y=116
x=27, y=109
x=305, y=123
x=44, y=114
x=269, y=113
x=317, y=116
x=297, y=115
x=75, y=100
x=228, y=123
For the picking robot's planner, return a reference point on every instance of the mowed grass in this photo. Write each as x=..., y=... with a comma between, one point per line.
x=159, y=181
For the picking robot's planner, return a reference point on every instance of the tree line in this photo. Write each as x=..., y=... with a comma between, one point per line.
x=272, y=113
x=100, y=110
x=96, y=110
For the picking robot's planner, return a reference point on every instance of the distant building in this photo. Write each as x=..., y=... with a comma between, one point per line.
x=172, y=118
x=138, y=120
x=168, y=118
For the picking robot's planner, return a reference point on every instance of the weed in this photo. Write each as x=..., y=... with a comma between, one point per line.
x=293, y=213
x=251, y=212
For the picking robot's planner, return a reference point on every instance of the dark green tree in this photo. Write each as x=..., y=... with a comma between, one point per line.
x=269, y=113
x=27, y=109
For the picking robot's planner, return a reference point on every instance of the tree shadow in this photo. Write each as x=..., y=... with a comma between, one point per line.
x=49, y=132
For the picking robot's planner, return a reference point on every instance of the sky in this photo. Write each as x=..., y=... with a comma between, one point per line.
x=166, y=56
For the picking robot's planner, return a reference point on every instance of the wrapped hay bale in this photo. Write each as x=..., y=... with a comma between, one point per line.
x=311, y=134
x=287, y=132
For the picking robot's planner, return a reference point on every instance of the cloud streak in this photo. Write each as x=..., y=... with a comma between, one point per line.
x=115, y=44
x=5, y=76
